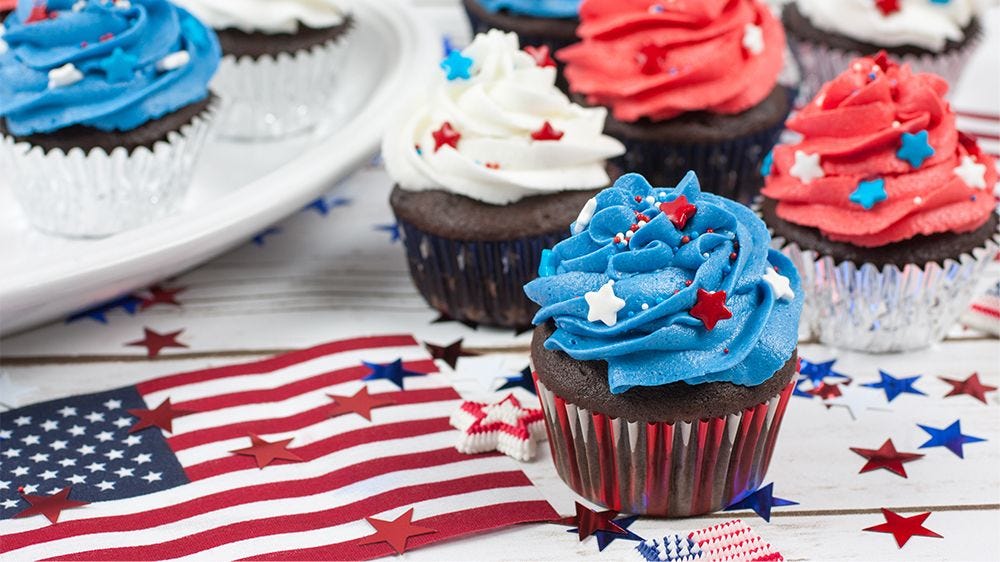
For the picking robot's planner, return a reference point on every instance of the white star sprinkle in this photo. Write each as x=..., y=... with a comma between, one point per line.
x=152, y=477
x=753, y=39
x=972, y=173
x=781, y=286
x=604, y=305
x=65, y=75
x=807, y=167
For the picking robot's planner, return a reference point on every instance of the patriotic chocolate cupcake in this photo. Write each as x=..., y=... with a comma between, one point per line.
x=690, y=86
x=887, y=211
x=544, y=26
x=665, y=351
x=281, y=62
x=930, y=35
x=489, y=169
x=104, y=107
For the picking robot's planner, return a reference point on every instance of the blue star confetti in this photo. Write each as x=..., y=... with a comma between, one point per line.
x=799, y=392
x=869, y=193
x=392, y=229
x=893, y=387
x=950, y=437
x=456, y=65
x=915, y=148
x=261, y=238
x=760, y=501
x=604, y=538
x=393, y=372
x=120, y=66
x=819, y=372
x=129, y=303
x=323, y=206
x=522, y=380
x=672, y=548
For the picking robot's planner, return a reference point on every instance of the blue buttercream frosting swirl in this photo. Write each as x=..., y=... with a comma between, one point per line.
x=109, y=65
x=536, y=8
x=653, y=296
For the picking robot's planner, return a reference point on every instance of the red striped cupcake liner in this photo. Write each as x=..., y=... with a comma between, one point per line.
x=678, y=469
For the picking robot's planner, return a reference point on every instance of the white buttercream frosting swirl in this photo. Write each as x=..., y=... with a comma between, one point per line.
x=920, y=23
x=267, y=16
x=506, y=98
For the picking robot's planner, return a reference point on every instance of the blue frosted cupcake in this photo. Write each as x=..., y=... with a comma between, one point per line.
x=544, y=26
x=104, y=107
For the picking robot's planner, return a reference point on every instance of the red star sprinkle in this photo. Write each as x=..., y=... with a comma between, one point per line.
x=161, y=295
x=971, y=386
x=887, y=7
x=162, y=416
x=542, y=55
x=886, y=457
x=902, y=528
x=396, y=532
x=266, y=452
x=446, y=135
x=39, y=12
x=49, y=506
x=679, y=211
x=154, y=342
x=587, y=521
x=825, y=391
x=651, y=59
x=710, y=308
x=360, y=403
x=547, y=133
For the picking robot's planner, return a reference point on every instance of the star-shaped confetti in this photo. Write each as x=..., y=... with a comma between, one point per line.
x=449, y=353
x=605, y=538
x=154, y=342
x=710, y=308
x=542, y=55
x=893, y=387
x=505, y=426
x=261, y=238
x=651, y=59
x=129, y=303
x=119, y=66
x=972, y=173
x=886, y=457
x=760, y=501
x=393, y=372
x=396, y=532
x=392, y=229
x=826, y=390
x=819, y=372
x=887, y=7
x=950, y=437
x=797, y=391
x=162, y=416
x=266, y=452
x=806, y=167
x=970, y=386
x=547, y=133
x=323, y=206
x=521, y=380
x=444, y=317
x=857, y=401
x=869, y=193
x=679, y=211
x=903, y=528
x=915, y=148
x=446, y=135
x=51, y=506
x=587, y=521
x=360, y=403
x=781, y=286
x=161, y=295
x=603, y=304
x=456, y=65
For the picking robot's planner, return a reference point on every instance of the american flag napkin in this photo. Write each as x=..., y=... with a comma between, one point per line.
x=154, y=494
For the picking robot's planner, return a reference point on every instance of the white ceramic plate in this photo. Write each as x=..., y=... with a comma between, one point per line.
x=238, y=191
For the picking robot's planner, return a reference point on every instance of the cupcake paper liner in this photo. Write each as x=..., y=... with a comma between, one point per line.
x=474, y=281
x=867, y=308
x=93, y=194
x=271, y=97
x=662, y=469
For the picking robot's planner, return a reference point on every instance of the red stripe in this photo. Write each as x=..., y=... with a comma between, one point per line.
x=274, y=363
x=975, y=115
x=298, y=421
x=987, y=311
x=220, y=500
x=982, y=136
x=292, y=389
x=448, y=526
x=312, y=451
x=300, y=522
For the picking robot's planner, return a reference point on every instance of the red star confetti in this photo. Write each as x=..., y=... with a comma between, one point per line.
x=39, y=12
x=49, y=506
x=547, y=133
x=154, y=342
x=505, y=426
x=970, y=386
x=162, y=416
x=887, y=7
x=266, y=452
x=542, y=55
x=587, y=521
x=446, y=136
x=903, y=528
x=360, y=403
x=886, y=457
x=161, y=295
x=396, y=532
x=825, y=390
x=710, y=308
x=679, y=211
x=449, y=353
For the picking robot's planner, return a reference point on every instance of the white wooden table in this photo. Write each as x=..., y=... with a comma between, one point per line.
x=321, y=278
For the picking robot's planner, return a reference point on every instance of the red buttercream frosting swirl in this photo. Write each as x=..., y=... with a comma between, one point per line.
x=658, y=59
x=856, y=125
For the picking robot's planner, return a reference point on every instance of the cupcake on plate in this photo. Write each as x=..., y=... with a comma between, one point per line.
x=543, y=26
x=887, y=211
x=104, y=108
x=280, y=65
x=490, y=167
x=930, y=35
x=690, y=86
x=664, y=356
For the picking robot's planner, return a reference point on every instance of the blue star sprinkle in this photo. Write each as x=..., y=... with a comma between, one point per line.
x=950, y=437
x=819, y=372
x=522, y=380
x=456, y=65
x=392, y=229
x=894, y=387
x=120, y=66
x=261, y=238
x=672, y=548
x=869, y=193
x=760, y=501
x=604, y=538
x=547, y=266
x=915, y=148
x=393, y=372
x=767, y=164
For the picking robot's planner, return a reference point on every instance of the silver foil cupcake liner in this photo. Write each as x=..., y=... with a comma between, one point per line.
x=873, y=309
x=94, y=194
x=662, y=469
x=276, y=96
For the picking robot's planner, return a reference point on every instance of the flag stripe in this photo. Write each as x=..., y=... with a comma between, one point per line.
x=976, y=115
